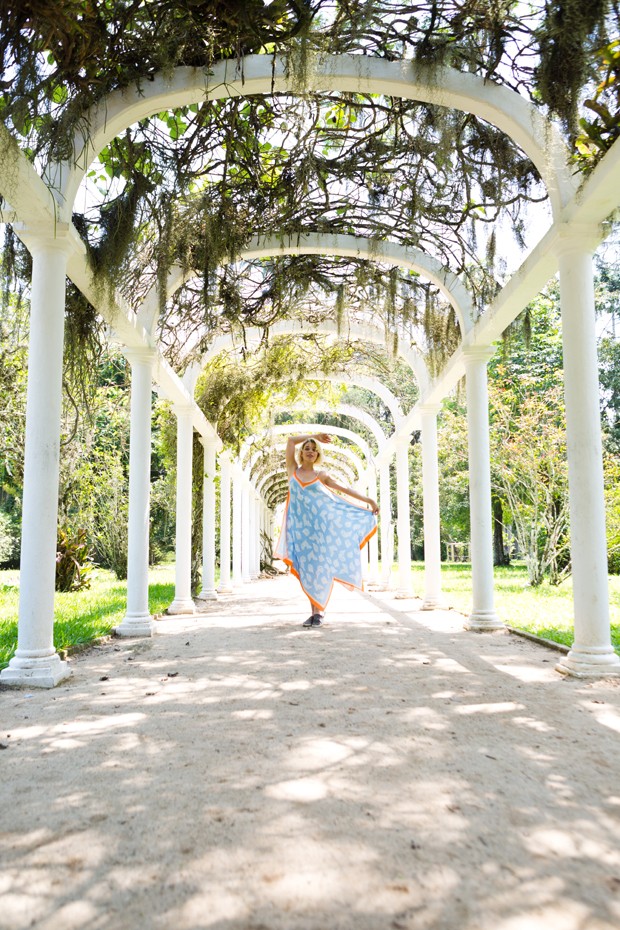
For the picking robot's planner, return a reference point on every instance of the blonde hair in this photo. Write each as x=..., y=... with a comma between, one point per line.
x=317, y=446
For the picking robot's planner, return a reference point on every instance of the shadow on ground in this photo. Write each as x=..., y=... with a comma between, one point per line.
x=237, y=772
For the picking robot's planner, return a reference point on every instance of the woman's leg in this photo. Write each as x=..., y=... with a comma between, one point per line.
x=315, y=612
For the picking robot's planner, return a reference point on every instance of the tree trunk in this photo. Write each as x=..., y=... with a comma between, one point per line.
x=500, y=555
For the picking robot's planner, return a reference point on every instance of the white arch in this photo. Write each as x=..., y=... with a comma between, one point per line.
x=357, y=462
x=262, y=74
x=333, y=465
x=369, y=384
x=349, y=410
x=283, y=428
x=391, y=253
x=332, y=454
x=362, y=332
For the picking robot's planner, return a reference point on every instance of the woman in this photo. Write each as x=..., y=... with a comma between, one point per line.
x=322, y=533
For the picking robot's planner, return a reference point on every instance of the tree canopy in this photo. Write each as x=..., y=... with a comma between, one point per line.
x=187, y=188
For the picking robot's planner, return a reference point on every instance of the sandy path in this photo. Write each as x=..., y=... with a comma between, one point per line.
x=237, y=772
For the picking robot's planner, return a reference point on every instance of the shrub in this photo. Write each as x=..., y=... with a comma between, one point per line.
x=73, y=561
x=8, y=540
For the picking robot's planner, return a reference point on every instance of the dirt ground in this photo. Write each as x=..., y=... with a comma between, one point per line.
x=237, y=772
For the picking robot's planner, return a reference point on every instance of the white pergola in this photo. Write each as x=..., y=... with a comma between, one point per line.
x=40, y=207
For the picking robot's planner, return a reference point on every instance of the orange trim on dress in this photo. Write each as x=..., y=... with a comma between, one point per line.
x=287, y=561
x=299, y=481
x=345, y=584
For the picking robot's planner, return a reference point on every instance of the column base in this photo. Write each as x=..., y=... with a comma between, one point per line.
x=182, y=605
x=225, y=589
x=433, y=602
x=482, y=621
x=590, y=662
x=207, y=594
x=134, y=625
x=403, y=593
x=39, y=672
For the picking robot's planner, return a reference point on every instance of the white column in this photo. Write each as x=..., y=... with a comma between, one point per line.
x=183, y=602
x=36, y=663
x=255, y=541
x=430, y=489
x=268, y=528
x=373, y=545
x=246, y=524
x=402, y=518
x=208, y=592
x=483, y=616
x=237, y=501
x=138, y=620
x=225, y=586
x=592, y=654
x=385, y=524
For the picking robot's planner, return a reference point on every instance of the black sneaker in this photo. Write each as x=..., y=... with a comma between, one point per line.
x=309, y=621
x=317, y=620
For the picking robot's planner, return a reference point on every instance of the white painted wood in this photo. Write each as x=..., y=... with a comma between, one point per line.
x=237, y=525
x=138, y=620
x=592, y=653
x=403, y=520
x=36, y=662
x=430, y=490
x=262, y=74
x=225, y=585
x=483, y=616
x=208, y=591
x=183, y=602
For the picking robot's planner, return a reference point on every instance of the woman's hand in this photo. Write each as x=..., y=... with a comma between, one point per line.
x=322, y=437
x=373, y=506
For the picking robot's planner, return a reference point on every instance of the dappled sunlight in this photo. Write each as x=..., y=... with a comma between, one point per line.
x=527, y=673
x=383, y=770
x=495, y=708
x=607, y=717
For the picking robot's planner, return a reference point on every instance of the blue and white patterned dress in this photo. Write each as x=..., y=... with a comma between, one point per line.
x=321, y=538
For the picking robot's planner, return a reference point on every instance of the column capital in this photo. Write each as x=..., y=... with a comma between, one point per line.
x=580, y=238
x=477, y=353
x=63, y=237
x=140, y=354
x=209, y=442
x=429, y=409
x=183, y=410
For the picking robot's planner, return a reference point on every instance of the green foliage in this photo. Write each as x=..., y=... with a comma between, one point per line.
x=8, y=539
x=530, y=472
x=600, y=129
x=546, y=610
x=568, y=32
x=162, y=517
x=612, y=507
x=609, y=376
x=81, y=617
x=73, y=560
x=13, y=376
x=453, y=468
x=238, y=400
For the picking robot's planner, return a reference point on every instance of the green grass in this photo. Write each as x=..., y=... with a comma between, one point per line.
x=83, y=616
x=546, y=611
